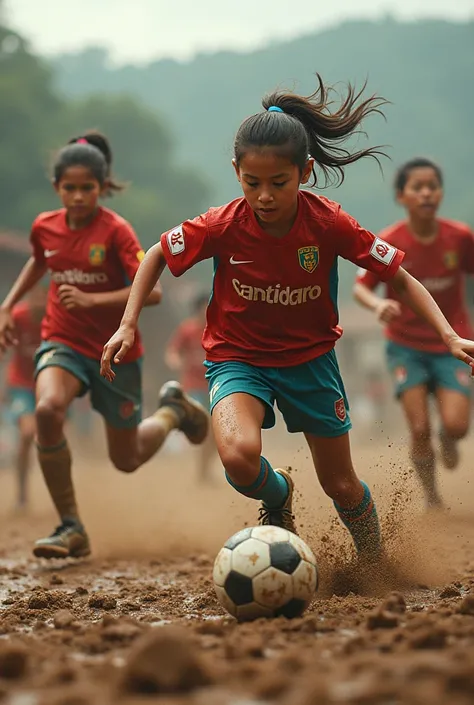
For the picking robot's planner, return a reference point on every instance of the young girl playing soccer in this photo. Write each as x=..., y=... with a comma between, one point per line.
x=439, y=253
x=91, y=254
x=272, y=321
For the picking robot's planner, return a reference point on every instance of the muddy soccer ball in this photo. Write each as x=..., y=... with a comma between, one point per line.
x=265, y=571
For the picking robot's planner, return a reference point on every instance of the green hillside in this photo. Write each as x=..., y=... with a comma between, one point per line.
x=424, y=68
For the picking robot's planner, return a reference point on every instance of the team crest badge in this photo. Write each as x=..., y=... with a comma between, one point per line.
x=127, y=409
x=96, y=255
x=451, y=259
x=401, y=375
x=340, y=409
x=309, y=257
x=463, y=377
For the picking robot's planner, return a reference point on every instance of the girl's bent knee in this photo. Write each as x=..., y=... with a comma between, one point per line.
x=241, y=462
x=343, y=492
x=126, y=465
x=420, y=432
x=50, y=411
x=456, y=429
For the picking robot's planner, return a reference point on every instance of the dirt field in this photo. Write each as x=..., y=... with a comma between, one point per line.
x=138, y=622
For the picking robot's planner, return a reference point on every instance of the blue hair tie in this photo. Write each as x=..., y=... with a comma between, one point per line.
x=274, y=109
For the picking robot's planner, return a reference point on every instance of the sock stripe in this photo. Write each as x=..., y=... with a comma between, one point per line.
x=52, y=449
x=363, y=524
x=350, y=518
x=256, y=486
x=270, y=487
x=264, y=467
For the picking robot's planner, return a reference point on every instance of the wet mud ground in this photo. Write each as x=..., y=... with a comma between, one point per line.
x=138, y=622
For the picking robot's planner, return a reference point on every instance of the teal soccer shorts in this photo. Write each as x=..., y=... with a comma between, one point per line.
x=119, y=402
x=310, y=396
x=21, y=402
x=411, y=368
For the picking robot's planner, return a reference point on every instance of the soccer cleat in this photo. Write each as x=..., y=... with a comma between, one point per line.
x=449, y=451
x=193, y=417
x=282, y=517
x=68, y=540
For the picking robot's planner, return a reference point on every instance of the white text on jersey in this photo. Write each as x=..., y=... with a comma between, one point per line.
x=276, y=294
x=77, y=276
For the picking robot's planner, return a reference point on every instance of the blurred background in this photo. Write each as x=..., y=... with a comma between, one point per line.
x=169, y=83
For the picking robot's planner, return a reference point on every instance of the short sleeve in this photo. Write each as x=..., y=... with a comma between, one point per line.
x=364, y=249
x=128, y=248
x=467, y=259
x=38, y=251
x=188, y=244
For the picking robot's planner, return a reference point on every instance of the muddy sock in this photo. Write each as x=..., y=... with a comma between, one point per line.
x=170, y=417
x=270, y=486
x=363, y=524
x=55, y=463
x=426, y=470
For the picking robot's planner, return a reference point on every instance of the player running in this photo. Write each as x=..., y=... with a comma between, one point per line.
x=272, y=320
x=91, y=254
x=184, y=354
x=439, y=253
x=20, y=384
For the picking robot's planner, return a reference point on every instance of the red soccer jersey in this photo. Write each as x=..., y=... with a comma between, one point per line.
x=21, y=368
x=187, y=342
x=274, y=300
x=441, y=267
x=104, y=256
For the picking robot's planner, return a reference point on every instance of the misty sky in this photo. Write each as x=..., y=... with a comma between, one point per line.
x=140, y=30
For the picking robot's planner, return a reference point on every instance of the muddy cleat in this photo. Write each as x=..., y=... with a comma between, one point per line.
x=193, y=417
x=283, y=516
x=449, y=451
x=68, y=540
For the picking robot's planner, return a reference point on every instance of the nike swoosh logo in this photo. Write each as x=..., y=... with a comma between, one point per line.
x=50, y=253
x=240, y=261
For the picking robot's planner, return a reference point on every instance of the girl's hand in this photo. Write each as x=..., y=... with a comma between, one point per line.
x=387, y=310
x=7, y=330
x=72, y=297
x=462, y=349
x=115, y=350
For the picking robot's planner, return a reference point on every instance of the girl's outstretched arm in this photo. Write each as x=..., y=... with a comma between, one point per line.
x=414, y=295
x=28, y=277
x=145, y=280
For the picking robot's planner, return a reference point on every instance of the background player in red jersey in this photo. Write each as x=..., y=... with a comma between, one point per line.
x=91, y=254
x=272, y=320
x=439, y=253
x=20, y=382
x=184, y=354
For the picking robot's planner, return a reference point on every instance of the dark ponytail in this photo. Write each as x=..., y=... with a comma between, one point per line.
x=91, y=150
x=302, y=126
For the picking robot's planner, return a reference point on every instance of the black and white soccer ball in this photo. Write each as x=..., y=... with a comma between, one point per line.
x=265, y=571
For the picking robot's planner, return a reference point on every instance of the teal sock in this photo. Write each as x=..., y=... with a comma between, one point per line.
x=363, y=523
x=270, y=486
